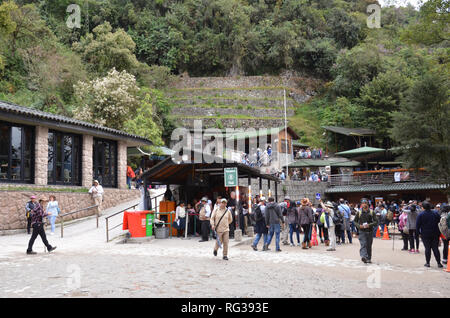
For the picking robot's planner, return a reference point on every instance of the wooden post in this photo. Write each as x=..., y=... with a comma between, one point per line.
x=260, y=187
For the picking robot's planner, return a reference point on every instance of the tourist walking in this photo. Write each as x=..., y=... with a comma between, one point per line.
x=294, y=224
x=327, y=220
x=411, y=223
x=97, y=194
x=204, y=217
x=37, y=217
x=53, y=211
x=232, y=204
x=29, y=208
x=221, y=218
x=365, y=221
x=274, y=219
x=445, y=225
x=306, y=219
x=401, y=226
x=285, y=206
x=427, y=226
x=260, y=223
x=346, y=213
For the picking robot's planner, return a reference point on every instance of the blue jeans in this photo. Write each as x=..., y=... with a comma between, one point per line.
x=129, y=182
x=274, y=228
x=294, y=228
x=52, y=219
x=258, y=237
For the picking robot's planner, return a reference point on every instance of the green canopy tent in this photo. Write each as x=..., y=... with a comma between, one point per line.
x=362, y=153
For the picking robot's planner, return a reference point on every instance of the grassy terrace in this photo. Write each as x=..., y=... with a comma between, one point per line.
x=227, y=117
x=229, y=88
x=231, y=106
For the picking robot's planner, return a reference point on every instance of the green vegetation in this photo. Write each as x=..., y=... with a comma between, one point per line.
x=367, y=74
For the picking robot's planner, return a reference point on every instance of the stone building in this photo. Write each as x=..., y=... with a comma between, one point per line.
x=42, y=151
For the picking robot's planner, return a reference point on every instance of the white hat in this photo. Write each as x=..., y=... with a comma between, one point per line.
x=329, y=204
x=224, y=200
x=96, y=181
x=204, y=199
x=263, y=198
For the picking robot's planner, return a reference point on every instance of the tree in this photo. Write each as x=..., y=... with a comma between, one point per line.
x=422, y=126
x=356, y=67
x=142, y=123
x=108, y=101
x=104, y=50
x=432, y=27
x=379, y=99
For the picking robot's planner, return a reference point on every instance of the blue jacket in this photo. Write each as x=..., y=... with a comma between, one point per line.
x=427, y=223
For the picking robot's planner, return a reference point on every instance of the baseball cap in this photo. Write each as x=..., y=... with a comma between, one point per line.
x=287, y=197
x=204, y=199
x=33, y=197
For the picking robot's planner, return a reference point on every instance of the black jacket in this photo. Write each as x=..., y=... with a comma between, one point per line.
x=273, y=214
x=368, y=217
x=427, y=223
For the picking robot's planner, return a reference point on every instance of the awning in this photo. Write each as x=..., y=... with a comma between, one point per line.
x=299, y=144
x=350, y=131
x=359, y=151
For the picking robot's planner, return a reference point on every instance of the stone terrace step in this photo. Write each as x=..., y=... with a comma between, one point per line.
x=234, y=101
x=215, y=111
x=211, y=122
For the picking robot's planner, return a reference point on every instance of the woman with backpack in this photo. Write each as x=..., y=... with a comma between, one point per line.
x=327, y=220
x=411, y=224
x=317, y=221
x=261, y=229
x=444, y=226
x=306, y=219
x=293, y=221
x=401, y=226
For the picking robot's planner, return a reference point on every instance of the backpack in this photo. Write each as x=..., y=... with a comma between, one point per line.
x=337, y=217
x=443, y=225
x=390, y=216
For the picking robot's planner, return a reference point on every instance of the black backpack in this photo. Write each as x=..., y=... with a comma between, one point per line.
x=338, y=218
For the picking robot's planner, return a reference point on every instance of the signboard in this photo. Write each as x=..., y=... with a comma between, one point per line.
x=317, y=196
x=230, y=177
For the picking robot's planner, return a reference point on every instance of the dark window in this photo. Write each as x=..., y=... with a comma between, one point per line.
x=16, y=153
x=105, y=162
x=64, y=158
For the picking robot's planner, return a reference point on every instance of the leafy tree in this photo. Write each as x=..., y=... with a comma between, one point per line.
x=104, y=50
x=108, y=101
x=432, y=25
x=141, y=123
x=379, y=99
x=422, y=126
x=356, y=67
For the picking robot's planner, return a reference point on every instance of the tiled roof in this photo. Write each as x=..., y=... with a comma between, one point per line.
x=29, y=114
x=334, y=162
x=405, y=186
x=350, y=131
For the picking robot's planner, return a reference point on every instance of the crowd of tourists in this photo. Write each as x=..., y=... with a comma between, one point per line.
x=298, y=223
x=315, y=153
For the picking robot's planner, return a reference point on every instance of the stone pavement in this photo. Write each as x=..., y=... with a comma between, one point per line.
x=84, y=265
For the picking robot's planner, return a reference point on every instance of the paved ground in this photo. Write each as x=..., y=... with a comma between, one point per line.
x=84, y=265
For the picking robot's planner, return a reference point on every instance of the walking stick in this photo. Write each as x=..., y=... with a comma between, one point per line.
x=393, y=238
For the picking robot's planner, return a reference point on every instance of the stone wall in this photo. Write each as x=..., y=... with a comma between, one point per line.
x=122, y=165
x=12, y=204
x=41, y=156
x=232, y=122
x=296, y=190
x=86, y=161
x=230, y=111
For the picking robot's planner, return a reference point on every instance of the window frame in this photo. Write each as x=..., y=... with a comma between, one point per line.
x=112, y=164
x=8, y=179
x=53, y=181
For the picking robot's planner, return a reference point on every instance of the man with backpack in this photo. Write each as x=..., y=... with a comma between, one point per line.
x=346, y=212
x=29, y=208
x=221, y=218
x=260, y=223
x=274, y=219
x=365, y=221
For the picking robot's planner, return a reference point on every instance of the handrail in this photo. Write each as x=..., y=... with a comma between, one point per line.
x=109, y=216
x=61, y=216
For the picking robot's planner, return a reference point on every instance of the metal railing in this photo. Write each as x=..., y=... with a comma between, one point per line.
x=110, y=216
x=61, y=216
x=382, y=177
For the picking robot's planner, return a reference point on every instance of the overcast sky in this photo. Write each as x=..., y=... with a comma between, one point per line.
x=399, y=3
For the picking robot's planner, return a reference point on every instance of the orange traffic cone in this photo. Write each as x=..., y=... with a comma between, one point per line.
x=385, y=234
x=378, y=232
x=448, y=263
x=314, y=240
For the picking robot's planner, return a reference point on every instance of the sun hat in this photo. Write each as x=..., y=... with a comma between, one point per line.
x=204, y=199
x=304, y=201
x=329, y=204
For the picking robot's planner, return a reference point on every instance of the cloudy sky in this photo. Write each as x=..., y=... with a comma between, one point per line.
x=415, y=3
